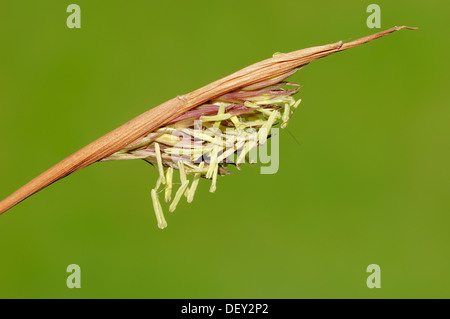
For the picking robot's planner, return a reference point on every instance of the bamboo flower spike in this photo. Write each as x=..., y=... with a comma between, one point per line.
x=196, y=132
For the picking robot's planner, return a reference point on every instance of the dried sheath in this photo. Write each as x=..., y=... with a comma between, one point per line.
x=149, y=121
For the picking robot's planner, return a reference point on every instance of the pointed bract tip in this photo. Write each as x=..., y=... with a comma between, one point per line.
x=406, y=27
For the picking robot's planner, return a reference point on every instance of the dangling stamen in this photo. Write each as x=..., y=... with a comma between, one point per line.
x=158, y=210
x=159, y=161
x=195, y=183
x=264, y=130
x=182, y=189
x=286, y=115
x=220, y=112
x=214, y=178
x=168, y=190
x=178, y=196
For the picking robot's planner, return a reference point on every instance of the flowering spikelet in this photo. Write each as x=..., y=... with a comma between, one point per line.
x=198, y=132
x=203, y=141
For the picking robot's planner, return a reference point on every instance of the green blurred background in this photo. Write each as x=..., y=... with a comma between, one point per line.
x=367, y=183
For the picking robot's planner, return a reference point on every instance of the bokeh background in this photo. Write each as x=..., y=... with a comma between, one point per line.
x=364, y=169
